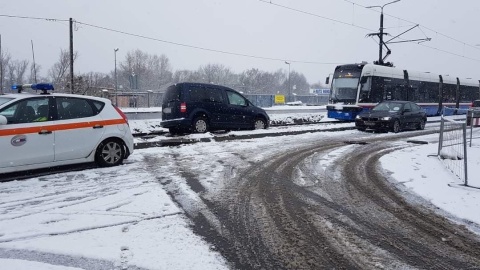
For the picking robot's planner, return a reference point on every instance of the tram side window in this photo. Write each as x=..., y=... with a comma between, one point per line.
x=463, y=93
x=422, y=92
x=395, y=90
x=471, y=93
x=449, y=92
x=468, y=93
x=412, y=93
x=432, y=89
x=377, y=90
x=365, y=91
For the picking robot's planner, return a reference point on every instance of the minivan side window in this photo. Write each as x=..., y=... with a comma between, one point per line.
x=196, y=93
x=213, y=95
x=236, y=99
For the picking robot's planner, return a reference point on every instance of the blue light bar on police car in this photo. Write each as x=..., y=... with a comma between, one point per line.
x=42, y=86
x=38, y=86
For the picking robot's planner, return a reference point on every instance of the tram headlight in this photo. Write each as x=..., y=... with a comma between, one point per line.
x=388, y=118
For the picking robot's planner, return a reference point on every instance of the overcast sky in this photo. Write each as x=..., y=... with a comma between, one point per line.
x=248, y=27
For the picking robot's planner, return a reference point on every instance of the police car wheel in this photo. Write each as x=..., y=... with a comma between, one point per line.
x=109, y=153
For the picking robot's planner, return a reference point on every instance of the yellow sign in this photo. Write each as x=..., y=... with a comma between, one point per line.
x=279, y=99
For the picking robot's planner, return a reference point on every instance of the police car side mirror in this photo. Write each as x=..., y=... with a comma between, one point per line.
x=3, y=120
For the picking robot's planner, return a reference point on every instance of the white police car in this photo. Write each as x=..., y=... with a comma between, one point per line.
x=45, y=130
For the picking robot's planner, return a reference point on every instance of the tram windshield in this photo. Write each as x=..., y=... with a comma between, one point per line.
x=344, y=89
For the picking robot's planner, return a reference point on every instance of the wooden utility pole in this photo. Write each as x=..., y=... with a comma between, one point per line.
x=71, y=56
x=34, y=67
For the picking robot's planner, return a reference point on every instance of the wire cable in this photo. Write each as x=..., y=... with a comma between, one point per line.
x=427, y=28
x=316, y=15
x=32, y=18
x=203, y=48
x=364, y=28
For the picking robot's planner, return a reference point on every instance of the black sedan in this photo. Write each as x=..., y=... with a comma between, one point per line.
x=392, y=116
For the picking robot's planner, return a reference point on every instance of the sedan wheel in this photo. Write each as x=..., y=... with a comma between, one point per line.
x=421, y=125
x=396, y=126
x=200, y=125
x=260, y=124
x=109, y=153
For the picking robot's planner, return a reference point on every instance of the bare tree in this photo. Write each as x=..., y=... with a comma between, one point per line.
x=217, y=74
x=93, y=83
x=141, y=70
x=16, y=71
x=5, y=59
x=59, y=72
x=34, y=76
x=299, y=82
x=185, y=76
x=260, y=82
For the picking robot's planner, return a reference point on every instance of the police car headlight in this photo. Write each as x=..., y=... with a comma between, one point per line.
x=358, y=117
x=388, y=118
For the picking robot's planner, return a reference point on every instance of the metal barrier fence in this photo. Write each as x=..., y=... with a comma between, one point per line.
x=452, y=147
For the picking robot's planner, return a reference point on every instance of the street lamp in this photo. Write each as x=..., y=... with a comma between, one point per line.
x=116, y=80
x=380, y=35
x=288, y=77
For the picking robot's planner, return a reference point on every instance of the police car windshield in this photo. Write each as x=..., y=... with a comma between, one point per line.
x=4, y=100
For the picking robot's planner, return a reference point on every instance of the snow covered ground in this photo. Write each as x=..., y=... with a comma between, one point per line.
x=111, y=218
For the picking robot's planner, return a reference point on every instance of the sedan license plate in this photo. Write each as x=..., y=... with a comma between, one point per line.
x=369, y=123
x=167, y=110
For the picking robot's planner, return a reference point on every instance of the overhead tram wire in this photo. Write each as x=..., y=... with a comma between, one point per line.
x=427, y=28
x=246, y=55
x=364, y=28
x=203, y=48
x=316, y=15
x=33, y=18
x=170, y=42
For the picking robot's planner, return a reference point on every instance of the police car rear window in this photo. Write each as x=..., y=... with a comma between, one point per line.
x=4, y=100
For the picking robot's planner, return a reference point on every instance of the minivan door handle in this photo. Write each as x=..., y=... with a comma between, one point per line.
x=97, y=126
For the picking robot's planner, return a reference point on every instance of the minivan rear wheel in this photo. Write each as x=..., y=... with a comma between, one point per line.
x=200, y=125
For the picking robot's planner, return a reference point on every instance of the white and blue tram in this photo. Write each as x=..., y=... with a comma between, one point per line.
x=359, y=87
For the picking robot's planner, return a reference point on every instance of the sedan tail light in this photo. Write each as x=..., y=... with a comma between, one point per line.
x=183, y=107
x=121, y=113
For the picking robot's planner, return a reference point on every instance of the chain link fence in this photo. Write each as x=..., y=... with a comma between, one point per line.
x=146, y=99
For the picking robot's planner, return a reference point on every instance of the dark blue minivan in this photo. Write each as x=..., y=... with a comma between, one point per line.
x=200, y=107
